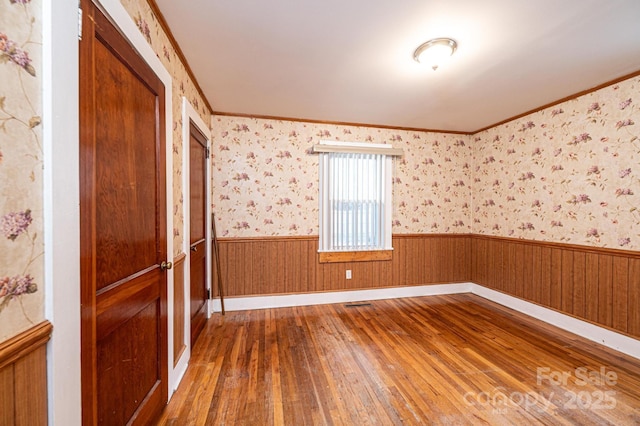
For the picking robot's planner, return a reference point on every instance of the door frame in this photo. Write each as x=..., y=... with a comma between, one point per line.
x=61, y=146
x=190, y=115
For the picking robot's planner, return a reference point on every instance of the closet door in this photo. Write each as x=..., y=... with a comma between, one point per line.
x=123, y=229
x=197, y=240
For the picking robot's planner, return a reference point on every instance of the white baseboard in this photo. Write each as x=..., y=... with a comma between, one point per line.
x=324, y=298
x=608, y=338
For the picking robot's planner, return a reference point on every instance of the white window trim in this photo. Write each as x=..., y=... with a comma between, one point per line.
x=355, y=147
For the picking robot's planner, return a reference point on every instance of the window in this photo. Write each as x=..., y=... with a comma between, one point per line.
x=355, y=198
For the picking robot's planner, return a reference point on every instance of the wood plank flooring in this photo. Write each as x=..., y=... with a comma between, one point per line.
x=449, y=360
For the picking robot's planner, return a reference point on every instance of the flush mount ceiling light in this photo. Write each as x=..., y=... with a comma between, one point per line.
x=435, y=51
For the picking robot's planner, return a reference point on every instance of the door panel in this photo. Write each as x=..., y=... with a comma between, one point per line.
x=198, y=291
x=197, y=232
x=198, y=176
x=123, y=229
x=126, y=221
x=138, y=374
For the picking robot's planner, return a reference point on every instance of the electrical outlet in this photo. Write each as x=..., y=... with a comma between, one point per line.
x=348, y=274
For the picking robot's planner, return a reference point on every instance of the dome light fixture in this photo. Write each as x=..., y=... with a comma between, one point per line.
x=434, y=52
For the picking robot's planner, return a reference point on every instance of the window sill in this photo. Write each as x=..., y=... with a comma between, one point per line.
x=354, y=256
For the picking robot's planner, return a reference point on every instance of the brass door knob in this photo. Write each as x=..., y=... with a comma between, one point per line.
x=166, y=265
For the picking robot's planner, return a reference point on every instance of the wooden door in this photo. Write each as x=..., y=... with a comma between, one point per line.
x=123, y=230
x=197, y=239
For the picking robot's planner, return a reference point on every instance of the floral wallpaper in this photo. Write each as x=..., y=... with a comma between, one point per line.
x=569, y=173
x=265, y=180
x=183, y=86
x=21, y=188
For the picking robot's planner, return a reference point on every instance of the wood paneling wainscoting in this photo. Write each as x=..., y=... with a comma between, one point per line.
x=283, y=265
x=23, y=377
x=599, y=285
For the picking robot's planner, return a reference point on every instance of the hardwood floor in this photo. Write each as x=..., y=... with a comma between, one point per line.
x=447, y=360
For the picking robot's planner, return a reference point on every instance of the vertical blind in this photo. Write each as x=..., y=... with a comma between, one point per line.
x=353, y=201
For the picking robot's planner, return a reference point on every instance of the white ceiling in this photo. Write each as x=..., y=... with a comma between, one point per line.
x=352, y=60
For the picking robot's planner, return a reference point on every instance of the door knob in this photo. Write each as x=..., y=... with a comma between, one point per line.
x=194, y=248
x=166, y=265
